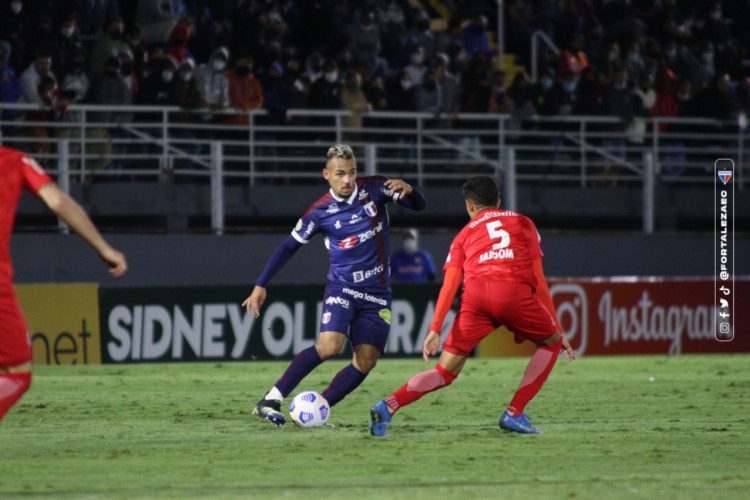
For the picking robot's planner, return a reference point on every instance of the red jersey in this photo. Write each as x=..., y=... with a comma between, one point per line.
x=496, y=245
x=17, y=172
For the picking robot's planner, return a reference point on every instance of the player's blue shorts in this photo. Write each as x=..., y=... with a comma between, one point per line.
x=365, y=317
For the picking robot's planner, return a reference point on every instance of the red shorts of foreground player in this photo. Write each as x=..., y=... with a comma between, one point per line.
x=14, y=338
x=486, y=305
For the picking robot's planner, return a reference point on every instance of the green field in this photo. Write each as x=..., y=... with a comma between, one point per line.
x=625, y=427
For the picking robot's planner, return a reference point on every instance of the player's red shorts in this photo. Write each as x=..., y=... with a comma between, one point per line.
x=486, y=305
x=14, y=337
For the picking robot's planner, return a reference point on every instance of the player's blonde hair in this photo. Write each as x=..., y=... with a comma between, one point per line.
x=343, y=151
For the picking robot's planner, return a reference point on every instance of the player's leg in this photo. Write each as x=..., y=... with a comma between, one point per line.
x=533, y=322
x=334, y=323
x=469, y=328
x=329, y=344
x=14, y=382
x=370, y=326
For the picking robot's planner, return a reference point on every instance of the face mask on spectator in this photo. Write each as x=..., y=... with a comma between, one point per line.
x=410, y=246
x=406, y=84
x=186, y=76
x=16, y=7
x=299, y=86
x=67, y=32
x=219, y=65
x=546, y=83
x=167, y=75
x=569, y=87
x=417, y=58
x=331, y=76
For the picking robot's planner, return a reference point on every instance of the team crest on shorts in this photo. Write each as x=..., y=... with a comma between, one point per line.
x=371, y=209
x=385, y=314
x=326, y=317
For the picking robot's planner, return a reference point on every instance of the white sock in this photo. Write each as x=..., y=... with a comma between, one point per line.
x=274, y=394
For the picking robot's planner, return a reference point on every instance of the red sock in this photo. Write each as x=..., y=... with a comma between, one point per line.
x=536, y=374
x=12, y=387
x=419, y=385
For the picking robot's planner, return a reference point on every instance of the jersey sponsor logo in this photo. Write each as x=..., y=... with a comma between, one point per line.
x=360, y=238
x=309, y=229
x=499, y=254
x=330, y=301
x=332, y=208
x=360, y=276
x=371, y=209
x=363, y=195
x=348, y=242
x=365, y=296
x=355, y=218
x=326, y=317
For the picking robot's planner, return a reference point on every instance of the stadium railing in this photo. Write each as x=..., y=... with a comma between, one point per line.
x=91, y=143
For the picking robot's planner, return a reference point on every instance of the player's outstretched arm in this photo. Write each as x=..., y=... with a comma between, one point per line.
x=280, y=257
x=407, y=195
x=451, y=282
x=74, y=216
x=255, y=301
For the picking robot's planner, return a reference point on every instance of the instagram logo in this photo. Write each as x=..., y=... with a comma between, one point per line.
x=573, y=313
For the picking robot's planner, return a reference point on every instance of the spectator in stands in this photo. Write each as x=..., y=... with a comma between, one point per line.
x=364, y=43
x=475, y=37
x=52, y=107
x=377, y=96
x=67, y=46
x=423, y=35
x=671, y=24
x=32, y=77
x=416, y=66
x=43, y=38
x=157, y=89
x=10, y=87
x=522, y=95
x=643, y=106
x=672, y=149
x=612, y=61
x=500, y=101
x=325, y=92
x=635, y=63
x=617, y=102
x=186, y=95
x=129, y=74
x=402, y=98
x=299, y=92
x=16, y=26
x=353, y=99
x=410, y=264
x=108, y=45
x=93, y=16
x=428, y=95
x=134, y=39
x=449, y=85
x=178, y=39
x=212, y=80
x=245, y=91
x=75, y=87
x=314, y=67
x=391, y=19
x=702, y=71
x=477, y=86
x=573, y=58
x=589, y=93
x=108, y=88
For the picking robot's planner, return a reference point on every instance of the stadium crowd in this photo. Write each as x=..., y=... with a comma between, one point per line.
x=626, y=58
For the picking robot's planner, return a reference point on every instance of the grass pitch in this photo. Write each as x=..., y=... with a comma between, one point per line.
x=624, y=427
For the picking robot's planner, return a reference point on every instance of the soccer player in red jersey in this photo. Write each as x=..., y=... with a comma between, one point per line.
x=17, y=172
x=497, y=255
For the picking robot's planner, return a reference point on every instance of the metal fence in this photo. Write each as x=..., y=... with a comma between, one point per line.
x=89, y=143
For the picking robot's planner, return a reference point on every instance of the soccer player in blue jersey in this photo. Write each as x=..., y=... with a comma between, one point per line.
x=353, y=218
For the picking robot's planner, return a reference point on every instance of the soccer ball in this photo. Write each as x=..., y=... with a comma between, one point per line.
x=309, y=409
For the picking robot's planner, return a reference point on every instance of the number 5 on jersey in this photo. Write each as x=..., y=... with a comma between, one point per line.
x=493, y=228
